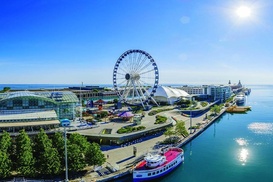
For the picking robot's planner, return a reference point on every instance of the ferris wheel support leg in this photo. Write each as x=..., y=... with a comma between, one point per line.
x=154, y=101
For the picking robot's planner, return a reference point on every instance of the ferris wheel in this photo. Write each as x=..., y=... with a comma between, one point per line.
x=135, y=77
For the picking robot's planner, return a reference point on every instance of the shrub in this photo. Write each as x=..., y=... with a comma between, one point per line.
x=130, y=129
x=160, y=119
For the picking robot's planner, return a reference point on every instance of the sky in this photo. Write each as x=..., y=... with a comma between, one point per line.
x=192, y=42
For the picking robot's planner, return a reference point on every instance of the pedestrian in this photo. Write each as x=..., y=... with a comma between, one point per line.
x=107, y=156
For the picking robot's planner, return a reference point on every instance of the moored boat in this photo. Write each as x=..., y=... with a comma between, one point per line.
x=157, y=165
x=240, y=99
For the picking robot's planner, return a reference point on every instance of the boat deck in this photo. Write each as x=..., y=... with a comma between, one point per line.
x=170, y=156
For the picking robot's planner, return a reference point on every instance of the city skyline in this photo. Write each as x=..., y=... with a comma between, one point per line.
x=70, y=42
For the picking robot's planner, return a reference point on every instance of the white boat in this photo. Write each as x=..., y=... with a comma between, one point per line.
x=240, y=99
x=157, y=165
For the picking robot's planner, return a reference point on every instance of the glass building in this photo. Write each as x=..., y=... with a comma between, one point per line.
x=31, y=110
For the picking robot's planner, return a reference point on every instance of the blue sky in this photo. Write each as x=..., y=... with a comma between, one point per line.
x=192, y=42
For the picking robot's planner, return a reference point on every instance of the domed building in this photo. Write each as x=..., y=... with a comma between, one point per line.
x=33, y=110
x=168, y=95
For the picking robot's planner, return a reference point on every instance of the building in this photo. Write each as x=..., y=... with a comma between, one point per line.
x=168, y=95
x=193, y=90
x=218, y=92
x=236, y=87
x=32, y=110
x=210, y=92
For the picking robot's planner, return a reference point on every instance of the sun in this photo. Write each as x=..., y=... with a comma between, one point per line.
x=243, y=11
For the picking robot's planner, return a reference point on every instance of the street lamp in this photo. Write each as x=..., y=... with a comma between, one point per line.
x=191, y=118
x=65, y=123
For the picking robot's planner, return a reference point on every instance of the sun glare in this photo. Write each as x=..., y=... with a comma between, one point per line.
x=243, y=11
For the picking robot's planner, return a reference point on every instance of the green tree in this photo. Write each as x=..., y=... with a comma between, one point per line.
x=215, y=109
x=80, y=141
x=5, y=163
x=75, y=158
x=47, y=159
x=180, y=129
x=25, y=160
x=6, y=142
x=169, y=132
x=6, y=146
x=5, y=89
x=58, y=143
x=94, y=156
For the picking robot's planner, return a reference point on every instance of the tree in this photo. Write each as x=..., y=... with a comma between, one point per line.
x=25, y=160
x=5, y=164
x=80, y=141
x=6, y=146
x=75, y=158
x=169, y=132
x=94, y=156
x=58, y=143
x=180, y=129
x=215, y=109
x=6, y=142
x=5, y=89
x=47, y=159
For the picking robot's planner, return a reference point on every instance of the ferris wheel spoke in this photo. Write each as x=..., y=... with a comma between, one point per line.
x=152, y=70
x=127, y=64
x=126, y=90
x=141, y=63
x=139, y=94
x=144, y=67
x=141, y=91
x=121, y=74
x=137, y=62
x=120, y=84
x=122, y=69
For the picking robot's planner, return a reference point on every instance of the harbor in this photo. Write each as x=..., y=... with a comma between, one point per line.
x=231, y=146
x=123, y=159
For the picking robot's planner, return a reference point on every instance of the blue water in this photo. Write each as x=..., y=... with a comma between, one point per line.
x=236, y=148
x=46, y=86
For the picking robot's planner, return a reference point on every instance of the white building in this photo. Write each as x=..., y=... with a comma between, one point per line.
x=214, y=92
x=168, y=94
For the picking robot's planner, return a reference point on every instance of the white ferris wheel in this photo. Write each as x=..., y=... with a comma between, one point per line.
x=135, y=77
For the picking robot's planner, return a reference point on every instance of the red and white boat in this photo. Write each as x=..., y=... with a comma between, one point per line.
x=157, y=165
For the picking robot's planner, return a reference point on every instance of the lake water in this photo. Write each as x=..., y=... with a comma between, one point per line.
x=237, y=147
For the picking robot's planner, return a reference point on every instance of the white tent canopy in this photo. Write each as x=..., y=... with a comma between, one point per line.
x=169, y=94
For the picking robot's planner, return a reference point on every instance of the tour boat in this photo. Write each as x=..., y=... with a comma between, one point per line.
x=157, y=165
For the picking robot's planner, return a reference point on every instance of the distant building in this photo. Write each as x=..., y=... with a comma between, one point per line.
x=210, y=92
x=32, y=110
x=218, y=92
x=193, y=90
x=236, y=87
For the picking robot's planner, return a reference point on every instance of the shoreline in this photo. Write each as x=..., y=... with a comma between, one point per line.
x=127, y=168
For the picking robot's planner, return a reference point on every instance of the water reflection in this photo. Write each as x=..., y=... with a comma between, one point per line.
x=261, y=128
x=243, y=155
x=243, y=152
x=241, y=141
